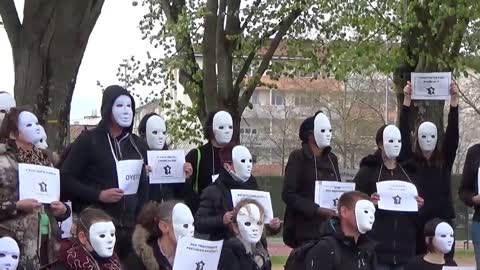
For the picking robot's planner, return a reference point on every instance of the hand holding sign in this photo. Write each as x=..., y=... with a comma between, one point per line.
x=38, y=182
x=28, y=206
x=397, y=195
x=111, y=195
x=168, y=166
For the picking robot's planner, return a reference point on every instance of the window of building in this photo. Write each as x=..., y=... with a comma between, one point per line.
x=301, y=100
x=278, y=98
x=248, y=131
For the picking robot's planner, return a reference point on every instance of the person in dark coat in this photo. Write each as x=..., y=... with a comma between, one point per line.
x=395, y=231
x=90, y=171
x=216, y=206
x=345, y=234
x=315, y=161
x=434, y=162
x=469, y=193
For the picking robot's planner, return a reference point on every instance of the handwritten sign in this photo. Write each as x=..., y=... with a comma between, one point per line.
x=37, y=182
x=431, y=86
x=262, y=197
x=129, y=173
x=167, y=166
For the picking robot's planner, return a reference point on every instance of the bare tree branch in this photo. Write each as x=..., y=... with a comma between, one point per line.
x=10, y=19
x=469, y=102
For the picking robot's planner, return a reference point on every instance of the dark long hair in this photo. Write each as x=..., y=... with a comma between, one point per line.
x=437, y=158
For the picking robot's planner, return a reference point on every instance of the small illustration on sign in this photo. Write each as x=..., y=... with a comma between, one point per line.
x=200, y=265
x=397, y=200
x=168, y=170
x=43, y=187
x=431, y=90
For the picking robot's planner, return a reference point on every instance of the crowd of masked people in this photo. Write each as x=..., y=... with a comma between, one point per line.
x=113, y=230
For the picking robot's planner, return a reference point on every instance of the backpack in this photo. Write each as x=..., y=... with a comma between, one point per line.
x=297, y=258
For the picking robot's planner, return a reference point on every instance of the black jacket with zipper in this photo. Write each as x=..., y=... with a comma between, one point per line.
x=394, y=231
x=469, y=185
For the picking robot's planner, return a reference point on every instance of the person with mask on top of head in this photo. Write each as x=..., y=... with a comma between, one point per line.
x=9, y=253
x=434, y=161
x=215, y=213
x=153, y=130
x=315, y=161
x=205, y=159
x=395, y=231
x=245, y=251
x=20, y=130
x=6, y=103
x=93, y=245
x=439, y=238
x=159, y=228
x=103, y=157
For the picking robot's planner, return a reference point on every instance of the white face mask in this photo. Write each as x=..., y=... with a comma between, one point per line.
x=250, y=223
x=322, y=131
x=364, y=215
x=427, y=136
x=222, y=127
x=102, y=238
x=9, y=254
x=122, y=111
x=392, y=141
x=443, y=239
x=29, y=127
x=6, y=103
x=42, y=144
x=156, y=132
x=182, y=220
x=242, y=162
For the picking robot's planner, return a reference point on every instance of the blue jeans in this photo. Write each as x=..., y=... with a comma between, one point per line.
x=476, y=241
x=389, y=267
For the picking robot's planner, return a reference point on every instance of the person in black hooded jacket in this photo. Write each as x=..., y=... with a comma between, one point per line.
x=89, y=172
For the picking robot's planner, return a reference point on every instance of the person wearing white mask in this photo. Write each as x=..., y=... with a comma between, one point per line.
x=101, y=159
x=245, y=250
x=215, y=213
x=315, y=161
x=6, y=103
x=395, y=231
x=439, y=238
x=159, y=228
x=9, y=253
x=205, y=159
x=434, y=157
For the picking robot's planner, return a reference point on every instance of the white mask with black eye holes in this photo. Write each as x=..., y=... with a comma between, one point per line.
x=392, y=141
x=42, y=144
x=102, y=238
x=182, y=220
x=242, y=162
x=364, y=215
x=6, y=103
x=322, y=131
x=29, y=127
x=444, y=238
x=9, y=253
x=122, y=111
x=250, y=223
x=156, y=132
x=427, y=136
x=222, y=127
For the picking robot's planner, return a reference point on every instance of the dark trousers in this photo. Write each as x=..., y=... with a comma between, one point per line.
x=123, y=245
x=422, y=246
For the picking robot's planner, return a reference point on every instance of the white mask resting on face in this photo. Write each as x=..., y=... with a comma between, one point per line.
x=364, y=215
x=242, y=163
x=9, y=254
x=443, y=239
x=322, y=131
x=6, y=103
x=122, y=111
x=222, y=127
x=156, y=132
x=182, y=220
x=42, y=144
x=29, y=127
x=392, y=141
x=250, y=224
x=427, y=136
x=102, y=238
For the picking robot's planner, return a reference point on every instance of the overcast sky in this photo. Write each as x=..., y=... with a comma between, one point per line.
x=114, y=38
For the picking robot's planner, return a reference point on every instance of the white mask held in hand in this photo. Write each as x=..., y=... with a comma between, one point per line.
x=182, y=220
x=242, y=162
x=222, y=127
x=29, y=128
x=392, y=141
x=102, y=238
x=443, y=239
x=322, y=131
x=6, y=103
x=9, y=254
x=122, y=111
x=250, y=224
x=42, y=144
x=427, y=136
x=156, y=132
x=364, y=215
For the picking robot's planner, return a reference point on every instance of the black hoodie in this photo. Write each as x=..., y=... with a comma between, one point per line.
x=469, y=185
x=235, y=257
x=90, y=166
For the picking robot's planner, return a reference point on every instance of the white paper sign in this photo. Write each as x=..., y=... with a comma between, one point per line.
x=431, y=86
x=37, y=182
x=327, y=193
x=459, y=268
x=66, y=225
x=262, y=197
x=197, y=254
x=167, y=166
x=128, y=173
x=397, y=195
